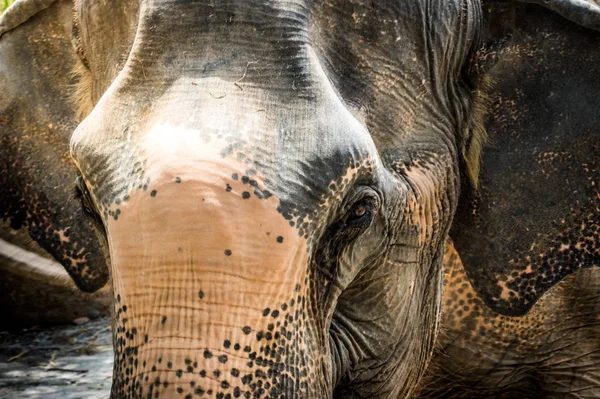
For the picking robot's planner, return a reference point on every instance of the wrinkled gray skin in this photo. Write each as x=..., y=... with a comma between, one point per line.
x=273, y=183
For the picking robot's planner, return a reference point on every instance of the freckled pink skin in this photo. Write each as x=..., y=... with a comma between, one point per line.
x=194, y=263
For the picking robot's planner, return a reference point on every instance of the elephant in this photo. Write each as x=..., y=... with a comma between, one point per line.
x=537, y=207
x=268, y=185
x=35, y=165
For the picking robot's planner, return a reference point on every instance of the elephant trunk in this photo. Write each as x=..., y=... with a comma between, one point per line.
x=210, y=286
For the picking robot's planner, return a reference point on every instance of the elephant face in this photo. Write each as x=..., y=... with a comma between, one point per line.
x=275, y=181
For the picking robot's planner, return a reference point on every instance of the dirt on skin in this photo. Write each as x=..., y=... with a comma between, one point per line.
x=68, y=362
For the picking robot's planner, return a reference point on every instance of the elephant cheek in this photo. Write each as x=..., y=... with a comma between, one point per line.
x=210, y=291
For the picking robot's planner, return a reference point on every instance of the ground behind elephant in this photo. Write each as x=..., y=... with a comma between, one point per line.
x=68, y=362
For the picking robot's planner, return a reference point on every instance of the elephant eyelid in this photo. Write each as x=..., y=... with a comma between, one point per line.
x=363, y=195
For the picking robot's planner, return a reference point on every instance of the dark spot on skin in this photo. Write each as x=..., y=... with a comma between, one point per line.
x=164, y=320
x=234, y=176
x=266, y=312
x=169, y=364
x=228, y=252
x=227, y=343
x=200, y=294
x=223, y=358
x=179, y=373
x=228, y=188
x=236, y=347
x=275, y=313
x=245, y=195
x=179, y=390
x=153, y=193
x=280, y=239
x=246, y=330
x=207, y=354
x=177, y=180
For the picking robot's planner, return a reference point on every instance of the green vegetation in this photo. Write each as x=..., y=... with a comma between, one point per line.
x=4, y=4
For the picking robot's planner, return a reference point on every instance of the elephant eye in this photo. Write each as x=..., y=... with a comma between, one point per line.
x=84, y=195
x=361, y=214
x=360, y=210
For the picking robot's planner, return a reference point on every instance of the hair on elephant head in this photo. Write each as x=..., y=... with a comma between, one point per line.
x=274, y=180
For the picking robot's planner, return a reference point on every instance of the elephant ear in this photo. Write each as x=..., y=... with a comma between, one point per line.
x=37, y=117
x=535, y=216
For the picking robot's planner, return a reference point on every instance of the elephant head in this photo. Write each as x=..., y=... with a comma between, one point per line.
x=273, y=181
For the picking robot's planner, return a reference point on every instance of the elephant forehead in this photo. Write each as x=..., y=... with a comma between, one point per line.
x=297, y=146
